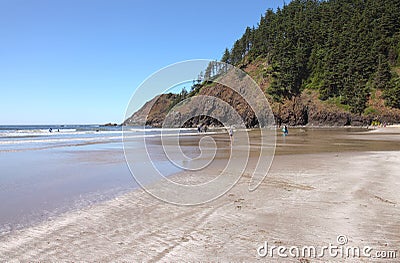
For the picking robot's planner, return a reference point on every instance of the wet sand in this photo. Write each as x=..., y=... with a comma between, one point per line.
x=322, y=183
x=39, y=184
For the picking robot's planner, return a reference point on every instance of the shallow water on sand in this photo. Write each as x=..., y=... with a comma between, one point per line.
x=43, y=174
x=316, y=140
x=36, y=185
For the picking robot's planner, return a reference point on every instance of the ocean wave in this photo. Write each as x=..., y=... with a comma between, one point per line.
x=14, y=141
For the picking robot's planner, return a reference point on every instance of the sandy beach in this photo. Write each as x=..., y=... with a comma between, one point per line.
x=313, y=193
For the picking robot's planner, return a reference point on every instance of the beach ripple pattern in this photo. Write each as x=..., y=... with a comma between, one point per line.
x=147, y=166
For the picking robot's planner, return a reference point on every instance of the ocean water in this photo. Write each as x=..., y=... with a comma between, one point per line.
x=38, y=137
x=46, y=172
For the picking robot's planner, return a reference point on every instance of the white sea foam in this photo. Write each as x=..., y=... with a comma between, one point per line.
x=38, y=140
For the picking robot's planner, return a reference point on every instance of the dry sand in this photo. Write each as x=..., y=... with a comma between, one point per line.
x=306, y=200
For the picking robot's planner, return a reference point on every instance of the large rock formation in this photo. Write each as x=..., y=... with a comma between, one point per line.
x=305, y=109
x=153, y=112
x=192, y=111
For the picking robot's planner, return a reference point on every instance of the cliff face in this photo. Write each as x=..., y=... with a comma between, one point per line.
x=193, y=112
x=231, y=98
x=153, y=112
x=305, y=109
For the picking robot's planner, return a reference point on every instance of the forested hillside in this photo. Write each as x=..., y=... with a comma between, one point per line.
x=334, y=62
x=343, y=49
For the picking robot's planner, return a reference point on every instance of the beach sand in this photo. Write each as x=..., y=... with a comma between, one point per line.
x=307, y=199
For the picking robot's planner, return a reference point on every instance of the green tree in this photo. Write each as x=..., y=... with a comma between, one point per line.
x=226, y=57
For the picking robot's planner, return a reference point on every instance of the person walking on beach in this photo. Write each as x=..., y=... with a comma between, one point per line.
x=285, y=130
x=231, y=134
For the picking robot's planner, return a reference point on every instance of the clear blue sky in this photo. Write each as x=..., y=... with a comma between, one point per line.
x=79, y=61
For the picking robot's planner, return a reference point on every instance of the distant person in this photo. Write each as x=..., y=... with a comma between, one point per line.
x=205, y=128
x=285, y=130
x=198, y=128
x=231, y=133
x=201, y=127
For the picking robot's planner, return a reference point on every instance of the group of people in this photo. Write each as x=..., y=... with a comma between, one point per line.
x=202, y=128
